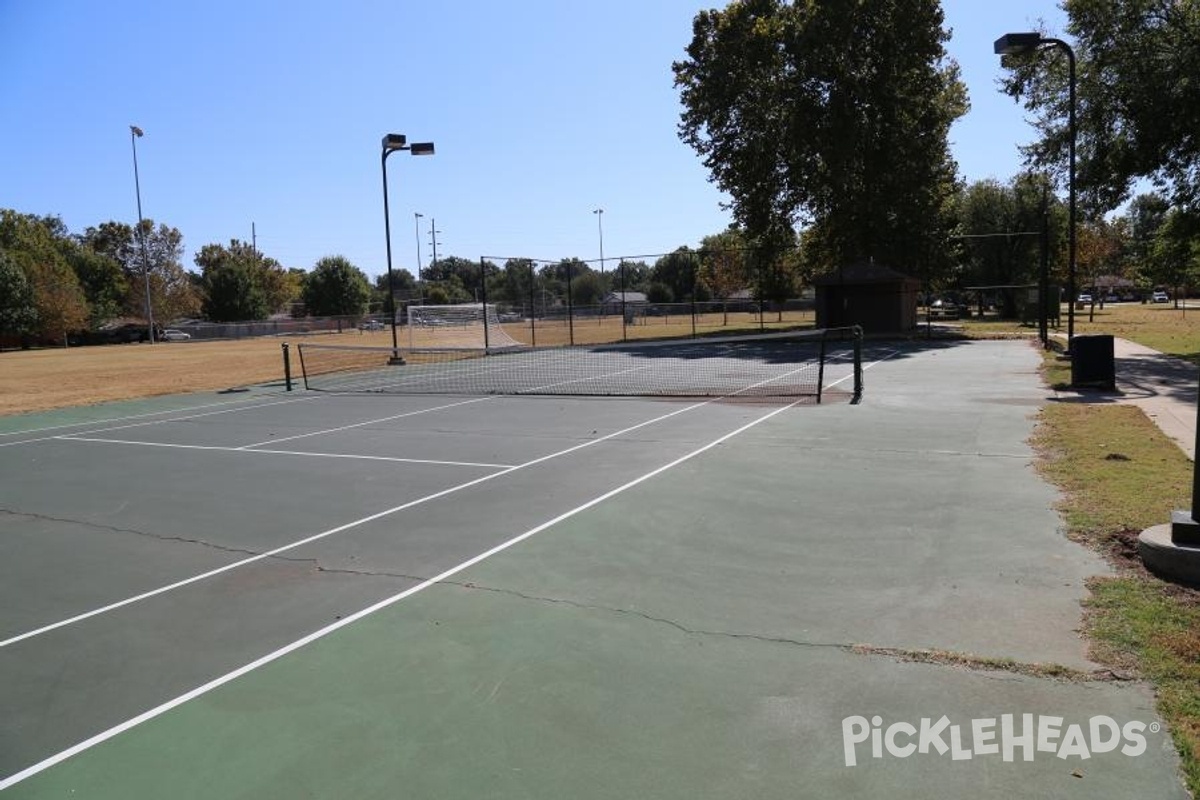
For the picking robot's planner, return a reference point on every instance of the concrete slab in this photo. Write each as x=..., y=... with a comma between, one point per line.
x=1162, y=386
x=692, y=637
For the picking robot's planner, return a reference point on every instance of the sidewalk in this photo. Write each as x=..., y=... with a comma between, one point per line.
x=1163, y=386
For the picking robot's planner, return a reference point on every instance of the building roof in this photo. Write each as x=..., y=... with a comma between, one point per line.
x=630, y=297
x=862, y=272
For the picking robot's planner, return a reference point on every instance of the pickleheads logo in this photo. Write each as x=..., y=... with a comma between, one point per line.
x=1030, y=734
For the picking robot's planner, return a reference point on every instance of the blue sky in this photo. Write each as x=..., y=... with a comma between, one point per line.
x=271, y=114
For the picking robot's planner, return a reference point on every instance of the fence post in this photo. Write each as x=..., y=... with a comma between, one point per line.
x=532, y=305
x=692, y=261
x=570, y=307
x=483, y=294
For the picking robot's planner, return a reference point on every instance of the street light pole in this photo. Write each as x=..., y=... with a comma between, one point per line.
x=433, y=232
x=134, y=133
x=391, y=143
x=599, y=212
x=1020, y=43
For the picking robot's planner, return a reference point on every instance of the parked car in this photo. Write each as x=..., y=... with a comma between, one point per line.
x=944, y=309
x=372, y=325
x=175, y=335
x=1085, y=298
x=1160, y=297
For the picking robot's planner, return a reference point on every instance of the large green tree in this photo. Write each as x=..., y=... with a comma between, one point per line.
x=240, y=283
x=172, y=292
x=103, y=282
x=1001, y=227
x=724, y=266
x=834, y=114
x=38, y=247
x=18, y=314
x=1138, y=99
x=679, y=271
x=1175, y=254
x=335, y=288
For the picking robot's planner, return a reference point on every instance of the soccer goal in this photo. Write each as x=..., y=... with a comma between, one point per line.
x=466, y=325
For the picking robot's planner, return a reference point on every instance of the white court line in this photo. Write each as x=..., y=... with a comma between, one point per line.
x=317, y=536
x=323, y=632
x=398, y=460
x=368, y=422
x=128, y=417
x=172, y=419
x=284, y=548
x=864, y=369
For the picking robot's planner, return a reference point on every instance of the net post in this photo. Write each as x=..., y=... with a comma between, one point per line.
x=858, y=369
x=287, y=368
x=303, y=369
x=821, y=367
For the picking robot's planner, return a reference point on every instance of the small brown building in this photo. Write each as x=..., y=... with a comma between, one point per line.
x=871, y=295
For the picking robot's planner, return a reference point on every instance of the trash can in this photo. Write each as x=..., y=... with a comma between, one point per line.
x=1092, y=362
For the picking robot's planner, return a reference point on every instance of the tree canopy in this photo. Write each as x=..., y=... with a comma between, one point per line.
x=832, y=114
x=1138, y=100
x=335, y=287
x=240, y=283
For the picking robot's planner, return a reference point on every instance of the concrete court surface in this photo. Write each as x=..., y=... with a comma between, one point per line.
x=701, y=633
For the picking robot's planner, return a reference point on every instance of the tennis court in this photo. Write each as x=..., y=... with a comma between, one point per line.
x=371, y=594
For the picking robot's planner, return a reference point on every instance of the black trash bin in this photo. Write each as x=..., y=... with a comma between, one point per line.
x=1092, y=362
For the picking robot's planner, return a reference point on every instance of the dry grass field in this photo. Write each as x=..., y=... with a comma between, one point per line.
x=40, y=380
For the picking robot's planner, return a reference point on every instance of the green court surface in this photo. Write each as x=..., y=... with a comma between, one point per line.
x=519, y=597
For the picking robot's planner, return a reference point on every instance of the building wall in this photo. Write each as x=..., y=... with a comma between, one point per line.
x=877, y=307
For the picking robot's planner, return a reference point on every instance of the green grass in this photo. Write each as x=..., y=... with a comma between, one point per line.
x=1164, y=328
x=1119, y=474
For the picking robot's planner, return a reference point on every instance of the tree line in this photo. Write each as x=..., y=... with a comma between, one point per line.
x=831, y=154
x=833, y=119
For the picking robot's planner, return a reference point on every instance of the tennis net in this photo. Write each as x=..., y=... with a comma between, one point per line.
x=810, y=363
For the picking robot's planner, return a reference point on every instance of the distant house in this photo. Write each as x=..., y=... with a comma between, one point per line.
x=613, y=302
x=871, y=295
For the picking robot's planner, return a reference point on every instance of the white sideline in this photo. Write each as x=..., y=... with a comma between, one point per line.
x=127, y=417
x=350, y=456
x=323, y=632
x=161, y=421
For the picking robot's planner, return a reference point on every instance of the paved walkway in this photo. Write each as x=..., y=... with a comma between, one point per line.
x=1163, y=386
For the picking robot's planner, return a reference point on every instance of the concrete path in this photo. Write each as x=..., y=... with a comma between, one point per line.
x=1161, y=385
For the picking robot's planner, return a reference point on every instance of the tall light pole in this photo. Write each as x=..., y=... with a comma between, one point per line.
x=1022, y=43
x=433, y=232
x=134, y=133
x=391, y=143
x=599, y=212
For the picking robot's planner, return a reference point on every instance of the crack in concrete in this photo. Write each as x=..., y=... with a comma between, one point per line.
x=987, y=667
x=1045, y=671
x=115, y=529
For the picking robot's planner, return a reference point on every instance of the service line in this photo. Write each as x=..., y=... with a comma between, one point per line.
x=340, y=528
x=216, y=683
